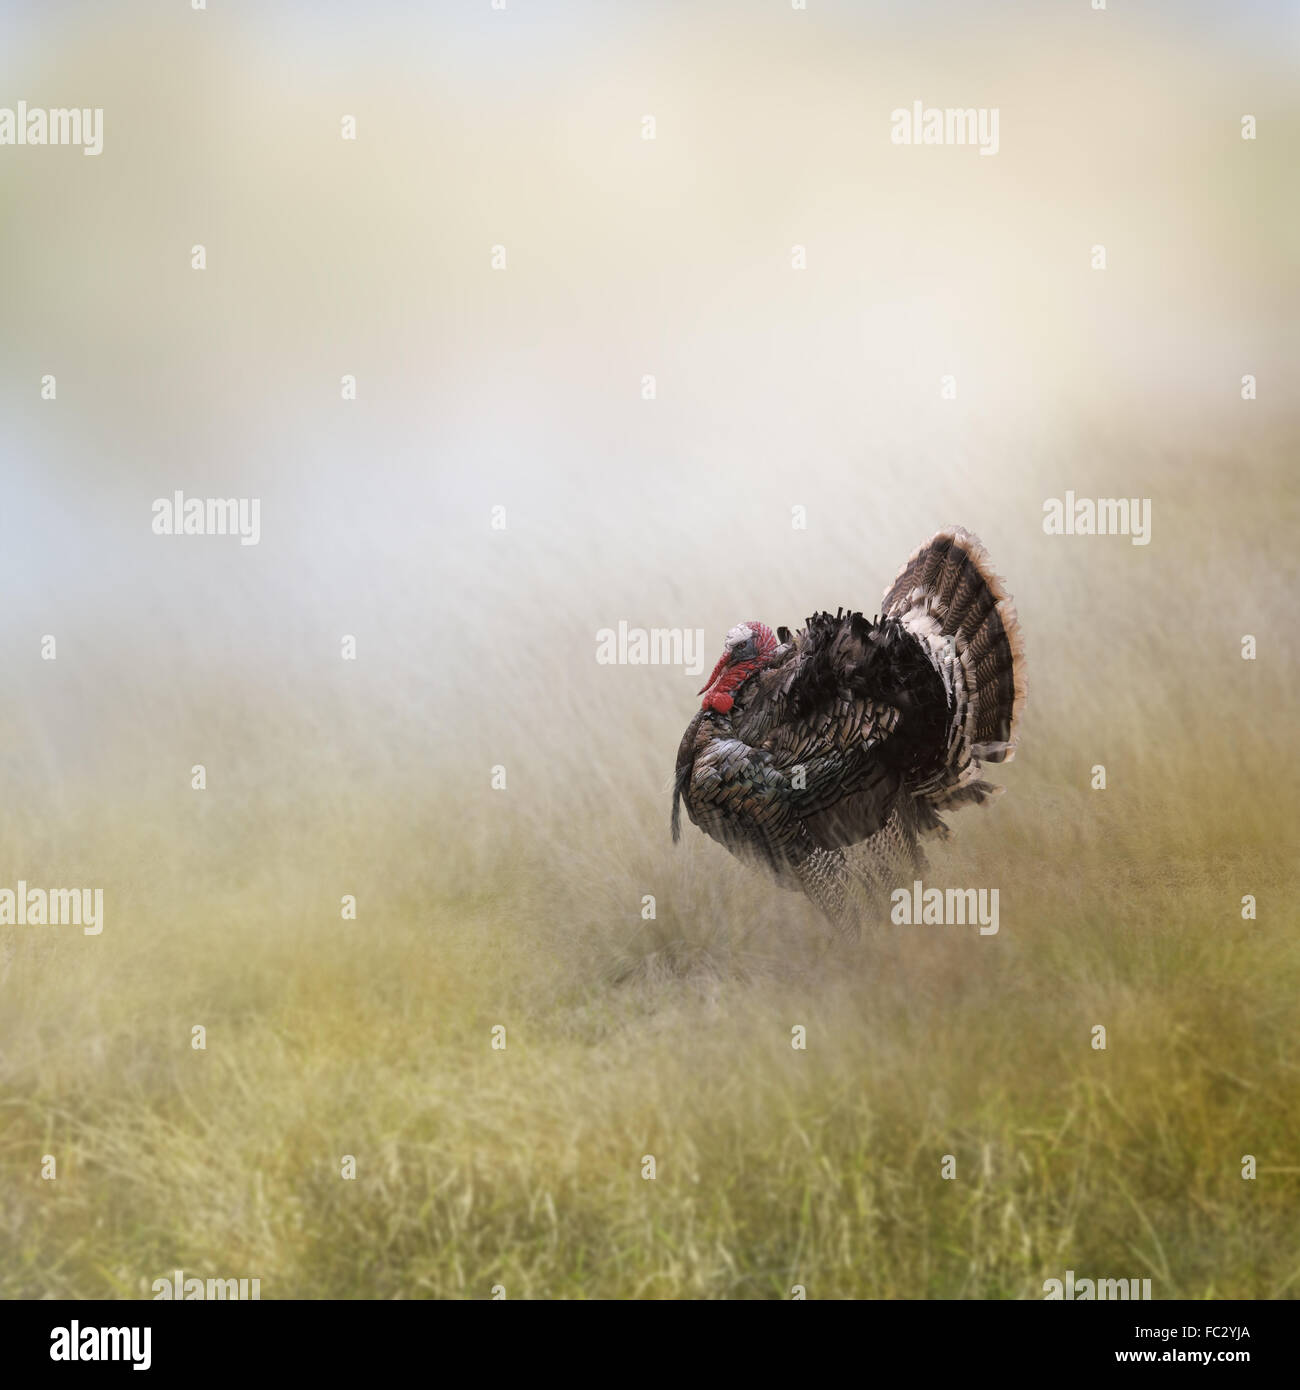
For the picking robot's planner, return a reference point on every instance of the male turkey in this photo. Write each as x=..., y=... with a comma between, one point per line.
x=826, y=755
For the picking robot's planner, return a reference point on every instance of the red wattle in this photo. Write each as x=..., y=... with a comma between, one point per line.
x=717, y=671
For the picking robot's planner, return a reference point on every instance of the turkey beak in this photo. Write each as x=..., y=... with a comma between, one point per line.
x=717, y=671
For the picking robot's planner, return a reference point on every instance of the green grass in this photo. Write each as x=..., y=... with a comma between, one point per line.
x=775, y=1167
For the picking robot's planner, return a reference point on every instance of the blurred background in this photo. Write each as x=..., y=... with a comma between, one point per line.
x=522, y=388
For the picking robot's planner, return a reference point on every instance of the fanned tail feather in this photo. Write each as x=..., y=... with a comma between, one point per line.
x=951, y=600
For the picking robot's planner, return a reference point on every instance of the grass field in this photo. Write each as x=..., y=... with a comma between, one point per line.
x=775, y=1167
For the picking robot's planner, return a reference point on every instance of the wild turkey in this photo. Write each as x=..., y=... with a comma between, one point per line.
x=826, y=755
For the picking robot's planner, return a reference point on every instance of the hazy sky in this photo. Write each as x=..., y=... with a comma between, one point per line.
x=523, y=386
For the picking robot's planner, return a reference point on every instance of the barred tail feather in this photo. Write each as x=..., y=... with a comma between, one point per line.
x=951, y=600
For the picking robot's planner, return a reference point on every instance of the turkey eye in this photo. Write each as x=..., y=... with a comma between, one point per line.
x=745, y=651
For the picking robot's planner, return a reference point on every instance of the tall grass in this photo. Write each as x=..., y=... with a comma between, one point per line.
x=670, y=1037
